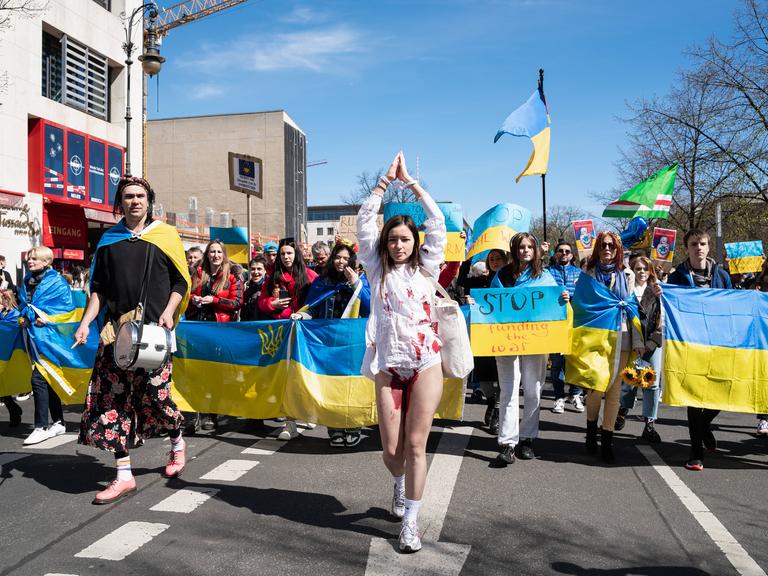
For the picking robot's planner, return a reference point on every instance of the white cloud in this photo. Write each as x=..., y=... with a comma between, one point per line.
x=318, y=50
x=203, y=91
x=303, y=15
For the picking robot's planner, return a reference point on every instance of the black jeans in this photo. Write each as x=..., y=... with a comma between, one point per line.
x=45, y=399
x=699, y=422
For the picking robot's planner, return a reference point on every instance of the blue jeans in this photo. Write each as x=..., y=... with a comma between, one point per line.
x=45, y=399
x=557, y=374
x=650, y=395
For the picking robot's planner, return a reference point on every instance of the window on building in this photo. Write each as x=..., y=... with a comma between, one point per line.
x=75, y=75
x=330, y=230
x=103, y=3
x=320, y=231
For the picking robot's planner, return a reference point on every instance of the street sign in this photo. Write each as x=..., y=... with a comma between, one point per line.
x=245, y=174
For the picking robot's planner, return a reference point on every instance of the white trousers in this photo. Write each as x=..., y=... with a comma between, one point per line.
x=512, y=370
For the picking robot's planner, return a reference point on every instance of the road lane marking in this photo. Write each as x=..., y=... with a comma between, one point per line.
x=265, y=447
x=185, y=501
x=230, y=470
x=124, y=541
x=54, y=442
x=734, y=552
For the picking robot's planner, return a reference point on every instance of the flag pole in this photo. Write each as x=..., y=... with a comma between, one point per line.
x=543, y=176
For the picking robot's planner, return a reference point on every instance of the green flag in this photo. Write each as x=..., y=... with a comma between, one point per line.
x=650, y=198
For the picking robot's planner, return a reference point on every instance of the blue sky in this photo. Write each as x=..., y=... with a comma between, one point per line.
x=436, y=78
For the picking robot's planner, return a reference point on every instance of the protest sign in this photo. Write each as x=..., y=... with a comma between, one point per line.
x=496, y=227
x=519, y=321
x=744, y=257
x=584, y=233
x=454, y=221
x=663, y=247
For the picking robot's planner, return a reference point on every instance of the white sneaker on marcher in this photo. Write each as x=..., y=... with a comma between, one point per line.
x=57, y=429
x=38, y=435
x=762, y=427
x=398, y=503
x=578, y=403
x=559, y=406
x=289, y=431
x=308, y=425
x=409, y=537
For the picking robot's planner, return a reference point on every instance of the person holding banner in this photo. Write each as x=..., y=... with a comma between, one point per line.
x=524, y=270
x=329, y=297
x=606, y=265
x=402, y=345
x=699, y=271
x=649, y=305
x=257, y=270
x=485, y=373
x=125, y=406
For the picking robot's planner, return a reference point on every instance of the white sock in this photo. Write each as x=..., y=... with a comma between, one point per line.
x=400, y=483
x=124, y=468
x=411, y=510
x=177, y=444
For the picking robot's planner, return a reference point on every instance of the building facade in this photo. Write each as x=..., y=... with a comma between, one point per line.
x=187, y=163
x=63, y=96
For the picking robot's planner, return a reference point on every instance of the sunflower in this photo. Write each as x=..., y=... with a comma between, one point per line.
x=630, y=376
x=648, y=377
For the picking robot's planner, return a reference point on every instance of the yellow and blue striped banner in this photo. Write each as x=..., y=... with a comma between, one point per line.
x=744, y=257
x=496, y=227
x=235, y=241
x=716, y=349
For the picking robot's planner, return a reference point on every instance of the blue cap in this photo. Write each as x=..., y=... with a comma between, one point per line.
x=270, y=248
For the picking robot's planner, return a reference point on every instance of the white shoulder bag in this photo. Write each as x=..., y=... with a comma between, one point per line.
x=456, y=352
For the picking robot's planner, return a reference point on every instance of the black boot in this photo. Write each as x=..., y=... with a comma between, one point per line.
x=14, y=411
x=606, y=443
x=493, y=426
x=489, y=411
x=592, y=436
x=621, y=419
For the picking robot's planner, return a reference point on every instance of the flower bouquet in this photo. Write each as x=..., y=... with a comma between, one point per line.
x=638, y=373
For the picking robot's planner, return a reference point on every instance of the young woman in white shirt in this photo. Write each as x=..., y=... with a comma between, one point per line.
x=402, y=346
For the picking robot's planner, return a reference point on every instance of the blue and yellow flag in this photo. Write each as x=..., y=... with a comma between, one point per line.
x=716, y=349
x=531, y=120
x=15, y=365
x=596, y=338
x=235, y=241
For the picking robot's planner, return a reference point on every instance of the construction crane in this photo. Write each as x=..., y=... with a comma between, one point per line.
x=168, y=19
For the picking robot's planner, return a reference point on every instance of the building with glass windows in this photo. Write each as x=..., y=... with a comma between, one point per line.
x=62, y=108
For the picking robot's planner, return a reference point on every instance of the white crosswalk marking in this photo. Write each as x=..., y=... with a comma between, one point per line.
x=53, y=442
x=265, y=447
x=124, y=541
x=230, y=470
x=185, y=501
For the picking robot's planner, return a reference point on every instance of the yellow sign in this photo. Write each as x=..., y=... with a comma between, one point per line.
x=521, y=338
x=454, y=250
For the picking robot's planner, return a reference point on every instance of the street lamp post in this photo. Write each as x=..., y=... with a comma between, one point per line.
x=151, y=61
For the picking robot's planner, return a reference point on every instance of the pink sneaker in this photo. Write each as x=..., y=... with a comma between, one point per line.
x=176, y=461
x=115, y=491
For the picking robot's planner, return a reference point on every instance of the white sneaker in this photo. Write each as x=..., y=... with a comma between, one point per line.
x=398, y=503
x=559, y=406
x=289, y=431
x=57, y=429
x=38, y=435
x=308, y=425
x=762, y=427
x=22, y=397
x=578, y=403
x=409, y=537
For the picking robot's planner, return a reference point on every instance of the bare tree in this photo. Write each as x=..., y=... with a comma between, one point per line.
x=16, y=9
x=559, y=220
x=366, y=182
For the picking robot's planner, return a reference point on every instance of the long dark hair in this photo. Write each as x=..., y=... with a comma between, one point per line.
x=618, y=258
x=298, y=270
x=117, y=207
x=387, y=264
x=516, y=267
x=330, y=272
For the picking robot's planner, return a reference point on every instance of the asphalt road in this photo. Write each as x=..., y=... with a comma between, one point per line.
x=248, y=504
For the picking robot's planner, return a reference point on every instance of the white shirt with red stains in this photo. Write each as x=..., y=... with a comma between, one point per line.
x=400, y=333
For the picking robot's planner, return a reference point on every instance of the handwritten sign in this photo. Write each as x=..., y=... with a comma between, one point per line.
x=584, y=233
x=744, y=257
x=347, y=228
x=454, y=219
x=454, y=250
x=496, y=227
x=519, y=321
x=663, y=245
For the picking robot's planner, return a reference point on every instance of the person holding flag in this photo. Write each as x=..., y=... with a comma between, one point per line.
x=125, y=406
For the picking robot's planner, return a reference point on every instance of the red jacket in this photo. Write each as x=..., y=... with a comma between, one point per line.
x=288, y=283
x=226, y=302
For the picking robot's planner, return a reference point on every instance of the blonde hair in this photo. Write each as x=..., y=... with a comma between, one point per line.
x=41, y=252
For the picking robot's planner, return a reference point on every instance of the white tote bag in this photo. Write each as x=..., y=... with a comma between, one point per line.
x=456, y=352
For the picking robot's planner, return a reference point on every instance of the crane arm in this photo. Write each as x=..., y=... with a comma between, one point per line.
x=185, y=12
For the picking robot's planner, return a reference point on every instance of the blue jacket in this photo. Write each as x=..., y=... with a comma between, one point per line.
x=328, y=300
x=565, y=276
x=682, y=277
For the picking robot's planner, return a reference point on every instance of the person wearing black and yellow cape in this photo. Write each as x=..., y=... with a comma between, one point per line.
x=126, y=406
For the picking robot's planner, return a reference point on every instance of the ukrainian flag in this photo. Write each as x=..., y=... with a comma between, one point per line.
x=235, y=241
x=531, y=120
x=234, y=368
x=15, y=366
x=596, y=338
x=716, y=349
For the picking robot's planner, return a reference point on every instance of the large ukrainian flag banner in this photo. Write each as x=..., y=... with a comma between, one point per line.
x=595, y=344
x=234, y=368
x=716, y=349
x=15, y=365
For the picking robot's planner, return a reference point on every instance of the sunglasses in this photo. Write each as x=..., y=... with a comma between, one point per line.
x=561, y=251
x=608, y=245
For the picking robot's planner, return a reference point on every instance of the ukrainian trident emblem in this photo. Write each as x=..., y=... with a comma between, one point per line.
x=270, y=342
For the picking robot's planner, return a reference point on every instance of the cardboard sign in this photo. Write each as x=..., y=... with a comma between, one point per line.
x=519, y=321
x=584, y=233
x=744, y=257
x=495, y=228
x=663, y=245
x=454, y=219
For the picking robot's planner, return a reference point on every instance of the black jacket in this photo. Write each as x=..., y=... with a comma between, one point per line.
x=650, y=316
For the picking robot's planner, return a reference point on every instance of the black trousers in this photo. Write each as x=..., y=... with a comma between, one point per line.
x=46, y=400
x=699, y=428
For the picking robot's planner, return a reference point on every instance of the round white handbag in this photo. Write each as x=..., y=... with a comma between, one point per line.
x=137, y=346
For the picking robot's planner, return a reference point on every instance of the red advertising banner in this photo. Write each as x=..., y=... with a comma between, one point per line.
x=65, y=227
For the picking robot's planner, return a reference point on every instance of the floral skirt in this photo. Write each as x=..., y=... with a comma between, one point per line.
x=123, y=407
